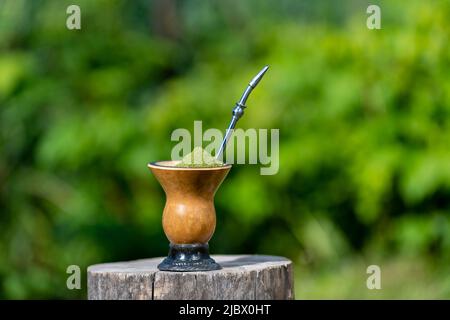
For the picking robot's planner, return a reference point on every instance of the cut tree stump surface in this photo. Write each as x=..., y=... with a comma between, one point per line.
x=248, y=277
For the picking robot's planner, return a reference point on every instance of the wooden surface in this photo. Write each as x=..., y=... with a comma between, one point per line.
x=249, y=277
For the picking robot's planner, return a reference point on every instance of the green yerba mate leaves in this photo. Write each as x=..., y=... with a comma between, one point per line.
x=199, y=158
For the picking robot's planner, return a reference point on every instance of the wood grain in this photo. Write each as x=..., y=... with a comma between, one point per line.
x=247, y=277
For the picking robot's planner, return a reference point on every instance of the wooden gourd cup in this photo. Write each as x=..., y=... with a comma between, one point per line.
x=189, y=216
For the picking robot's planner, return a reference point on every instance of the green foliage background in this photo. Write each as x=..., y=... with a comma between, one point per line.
x=364, y=120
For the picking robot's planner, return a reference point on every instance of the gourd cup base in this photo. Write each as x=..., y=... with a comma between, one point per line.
x=188, y=258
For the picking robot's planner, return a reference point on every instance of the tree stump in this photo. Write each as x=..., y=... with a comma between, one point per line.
x=246, y=277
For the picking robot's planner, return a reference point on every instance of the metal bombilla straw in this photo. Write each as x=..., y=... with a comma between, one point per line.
x=238, y=110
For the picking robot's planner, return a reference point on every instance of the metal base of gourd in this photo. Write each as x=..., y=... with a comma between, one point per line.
x=188, y=258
